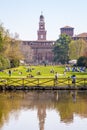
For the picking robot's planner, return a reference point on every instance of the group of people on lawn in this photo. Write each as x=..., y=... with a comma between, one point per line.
x=56, y=75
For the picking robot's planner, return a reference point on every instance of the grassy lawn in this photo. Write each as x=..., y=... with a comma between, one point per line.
x=45, y=73
x=41, y=72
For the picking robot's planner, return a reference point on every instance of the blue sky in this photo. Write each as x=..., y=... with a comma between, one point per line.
x=22, y=16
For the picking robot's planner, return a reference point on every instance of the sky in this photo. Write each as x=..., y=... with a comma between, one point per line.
x=22, y=16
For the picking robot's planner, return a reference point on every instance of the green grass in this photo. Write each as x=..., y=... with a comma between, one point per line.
x=45, y=76
x=44, y=72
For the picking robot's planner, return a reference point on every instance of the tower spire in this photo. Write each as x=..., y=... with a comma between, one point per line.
x=41, y=32
x=41, y=12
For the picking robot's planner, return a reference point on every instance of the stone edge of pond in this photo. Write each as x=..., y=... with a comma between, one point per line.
x=42, y=88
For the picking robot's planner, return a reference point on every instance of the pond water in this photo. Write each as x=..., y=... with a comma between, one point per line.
x=43, y=110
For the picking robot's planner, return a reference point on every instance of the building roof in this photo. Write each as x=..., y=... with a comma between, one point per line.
x=67, y=27
x=82, y=35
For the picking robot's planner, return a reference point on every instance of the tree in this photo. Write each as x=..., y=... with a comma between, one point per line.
x=77, y=49
x=4, y=39
x=14, y=63
x=61, y=49
x=4, y=63
x=82, y=61
x=9, y=47
x=13, y=50
x=85, y=51
x=4, y=36
x=1, y=38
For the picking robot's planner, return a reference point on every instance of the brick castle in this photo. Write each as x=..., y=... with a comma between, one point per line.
x=40, y=51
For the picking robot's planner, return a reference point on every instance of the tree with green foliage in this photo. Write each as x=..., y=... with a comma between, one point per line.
x=77, y=48
x=4, y=39
x=13, y=53
x=1, y=38
x=82, y=61
x=4, y=63
x=9, y=47
x=1, y=45
x=14, y=63
x=4, y=35
x=61, y=49
x=85, y=51
x=13, y=50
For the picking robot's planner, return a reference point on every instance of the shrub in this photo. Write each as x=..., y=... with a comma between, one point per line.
x=4, y=63
x=82, y=61
x=14, y=63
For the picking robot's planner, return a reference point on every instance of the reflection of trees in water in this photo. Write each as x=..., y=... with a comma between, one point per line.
x=8, y=105
x=71, y=103
x=66, y=103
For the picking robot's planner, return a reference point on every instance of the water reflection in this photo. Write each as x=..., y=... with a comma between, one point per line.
x=32, y=109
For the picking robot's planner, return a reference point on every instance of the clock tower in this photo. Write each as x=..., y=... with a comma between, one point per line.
x=41, y=32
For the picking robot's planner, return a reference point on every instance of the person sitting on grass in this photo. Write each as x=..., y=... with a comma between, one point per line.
x=51, y=71
x=38, y=73
x=30, y=76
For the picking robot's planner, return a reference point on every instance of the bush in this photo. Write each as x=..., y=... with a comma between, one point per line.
x=82, y=61
x=14, y=63
x=4, y=63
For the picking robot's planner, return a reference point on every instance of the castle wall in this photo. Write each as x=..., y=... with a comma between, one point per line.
x=37, y=52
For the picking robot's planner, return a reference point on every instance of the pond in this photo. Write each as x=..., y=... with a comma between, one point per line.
x=43, y=110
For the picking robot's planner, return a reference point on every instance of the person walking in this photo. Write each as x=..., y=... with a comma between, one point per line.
x=9, y=72
x=56, y=78
x=73, y=79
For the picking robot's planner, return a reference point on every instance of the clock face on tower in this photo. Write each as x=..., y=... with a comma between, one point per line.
x=41, y=26
x=41, y=36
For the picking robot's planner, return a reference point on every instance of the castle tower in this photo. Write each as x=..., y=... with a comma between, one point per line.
x=41, y=32
x=41, y=116
x=67, y=30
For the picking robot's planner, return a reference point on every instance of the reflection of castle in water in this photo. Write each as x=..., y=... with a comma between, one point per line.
x=66, y=103
x=41, y=116
x=41, y=101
